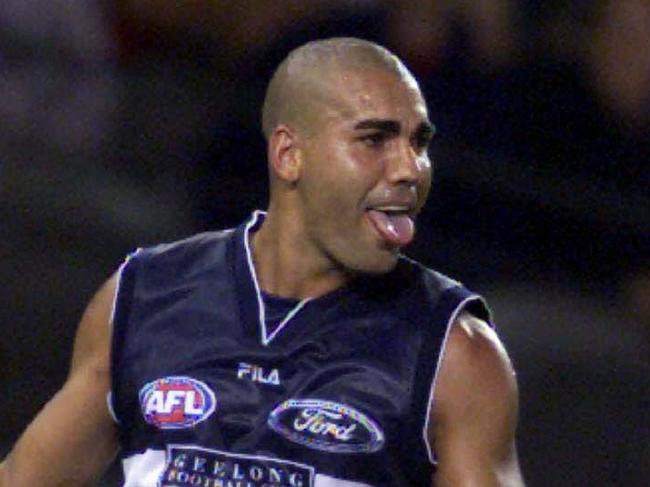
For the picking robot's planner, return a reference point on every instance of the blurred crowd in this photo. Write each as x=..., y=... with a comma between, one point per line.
x=532, y=80
x=126, y=122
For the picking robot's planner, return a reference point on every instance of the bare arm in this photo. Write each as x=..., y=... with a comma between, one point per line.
x=72, y=440
x=474, y=411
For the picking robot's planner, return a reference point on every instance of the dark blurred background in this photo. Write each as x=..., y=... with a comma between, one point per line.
x=128, y=122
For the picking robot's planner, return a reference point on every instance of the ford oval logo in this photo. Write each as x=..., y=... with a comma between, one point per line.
x=326, y=425
x=176, y=402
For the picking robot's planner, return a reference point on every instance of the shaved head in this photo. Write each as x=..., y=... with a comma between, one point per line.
x=303, y=82
x=348, y=131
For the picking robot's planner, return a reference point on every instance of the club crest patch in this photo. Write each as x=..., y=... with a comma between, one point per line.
x=176, y=402
x=326, y=425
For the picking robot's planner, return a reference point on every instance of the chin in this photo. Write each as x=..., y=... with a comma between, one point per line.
x=381, y=263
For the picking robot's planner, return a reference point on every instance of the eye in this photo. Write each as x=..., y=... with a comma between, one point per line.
x=421, y=140
x=374, y=139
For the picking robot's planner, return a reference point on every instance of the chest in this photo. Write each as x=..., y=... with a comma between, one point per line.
x=340, y=380
x=331, y=393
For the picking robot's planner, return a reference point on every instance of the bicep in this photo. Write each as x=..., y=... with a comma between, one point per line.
x=72, y=439
x=474, y=413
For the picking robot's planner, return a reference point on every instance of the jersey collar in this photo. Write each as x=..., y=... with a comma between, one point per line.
x=251, y=302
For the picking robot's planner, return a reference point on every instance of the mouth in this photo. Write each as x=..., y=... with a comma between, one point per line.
x=394, y=223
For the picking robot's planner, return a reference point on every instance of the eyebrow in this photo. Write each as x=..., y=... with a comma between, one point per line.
x=394, y=127
x=390, y=126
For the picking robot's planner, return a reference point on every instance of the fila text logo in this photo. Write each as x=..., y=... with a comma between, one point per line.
x=258, y=374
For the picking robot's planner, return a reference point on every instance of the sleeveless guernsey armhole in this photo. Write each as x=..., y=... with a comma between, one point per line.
x=117, y=323
x=452, y=302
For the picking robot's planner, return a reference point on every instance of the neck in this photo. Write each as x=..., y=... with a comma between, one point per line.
x=287, y=264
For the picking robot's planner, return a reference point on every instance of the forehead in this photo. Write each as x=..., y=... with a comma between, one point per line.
x=377, y=94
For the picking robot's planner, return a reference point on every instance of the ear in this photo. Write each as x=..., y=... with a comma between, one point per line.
x=284, y=155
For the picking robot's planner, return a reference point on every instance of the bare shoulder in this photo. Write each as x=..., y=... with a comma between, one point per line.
x=476, y=377
x=475, y=353
x=76, y=422
x=474, y=409
x=92, y=341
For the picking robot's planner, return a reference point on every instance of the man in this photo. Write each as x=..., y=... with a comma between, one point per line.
x=301, y=348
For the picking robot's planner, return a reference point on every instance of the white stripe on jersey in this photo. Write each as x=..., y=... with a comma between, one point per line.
x=145, y=469
x=327, y=481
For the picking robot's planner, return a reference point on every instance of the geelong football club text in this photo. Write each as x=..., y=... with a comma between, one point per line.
x=189, y=466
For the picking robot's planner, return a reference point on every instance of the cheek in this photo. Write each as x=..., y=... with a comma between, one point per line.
x=424, y=183
x=352, y=172
x=327, y=185
x=364, y=167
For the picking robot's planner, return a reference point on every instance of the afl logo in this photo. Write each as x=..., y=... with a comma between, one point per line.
x=176, y=402
x=326, y=425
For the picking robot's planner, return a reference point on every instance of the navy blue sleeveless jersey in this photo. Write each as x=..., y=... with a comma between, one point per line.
x=336, y=395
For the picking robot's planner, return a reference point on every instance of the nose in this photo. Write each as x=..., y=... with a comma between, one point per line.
x=407, y=165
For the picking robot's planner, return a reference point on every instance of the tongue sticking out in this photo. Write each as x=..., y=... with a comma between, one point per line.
x=396, y=229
